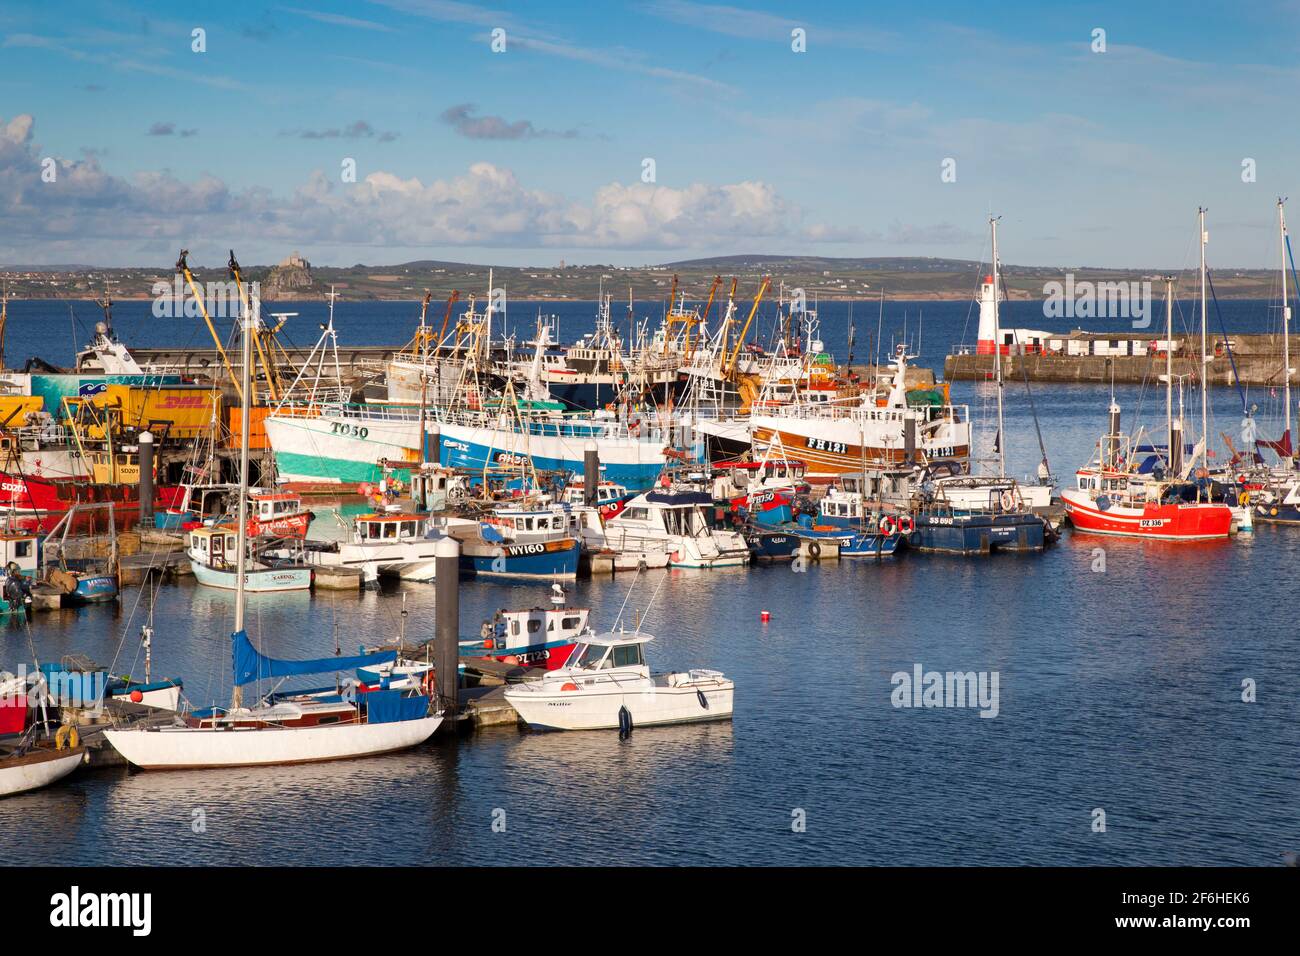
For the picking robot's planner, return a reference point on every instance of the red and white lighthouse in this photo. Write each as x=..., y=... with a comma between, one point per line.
x=990, y=332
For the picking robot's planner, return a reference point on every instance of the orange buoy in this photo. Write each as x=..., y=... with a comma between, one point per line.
x=136, y=697
x=570, y=685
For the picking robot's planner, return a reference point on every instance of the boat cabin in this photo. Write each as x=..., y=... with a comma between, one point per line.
x=214, y=547
x=19, y=549
x=388, y=527
x=613, y=650
x=607, y=492
x=524, y=525
x=432, y=486
x=270, y=505
x=666, y=512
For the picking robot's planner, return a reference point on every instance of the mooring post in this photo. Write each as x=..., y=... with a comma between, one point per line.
x=145, y=441
x=433, y=446
x=447, y=615
x=590, y=473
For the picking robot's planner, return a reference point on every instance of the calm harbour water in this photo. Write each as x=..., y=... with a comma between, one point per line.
x=1119, y=690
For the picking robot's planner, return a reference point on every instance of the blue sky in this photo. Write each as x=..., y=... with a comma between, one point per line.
x=535, y=154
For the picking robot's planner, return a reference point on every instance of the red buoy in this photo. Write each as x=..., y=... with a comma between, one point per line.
x=765, y=616
x=136, y=697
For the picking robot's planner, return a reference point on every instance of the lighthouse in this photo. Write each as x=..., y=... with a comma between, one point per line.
x=989, y=333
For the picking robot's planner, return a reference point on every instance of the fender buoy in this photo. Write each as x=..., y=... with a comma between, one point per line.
x=569, y=685
x=704, y=701
x=624, y=723
x=136, y=696
x=815, y=550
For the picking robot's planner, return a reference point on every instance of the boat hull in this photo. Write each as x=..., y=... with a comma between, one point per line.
x=830, y=450
x=37, y=769
x=179, y=748
x=977, y=534
x=540, y=559
x=649, y=707
x=1161, y=522
x=258, y=581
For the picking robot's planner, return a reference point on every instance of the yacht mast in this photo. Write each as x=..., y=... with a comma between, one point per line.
x=249, y=316
x=1205, y=358
x=997, y=350
x=1169, y=367
x=1286, y=323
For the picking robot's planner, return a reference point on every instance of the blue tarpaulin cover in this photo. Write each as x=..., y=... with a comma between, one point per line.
x=389, y=706
x=251, y=666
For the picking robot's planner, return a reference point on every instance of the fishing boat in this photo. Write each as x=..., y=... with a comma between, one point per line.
x=279, y=514
x=213, y=559
x=535, y=637
x=280, y=727
x=521, y=542
x=879, y=428
x=538, y=637
x=763, y=491
x=606, y=684
x=1116, y=495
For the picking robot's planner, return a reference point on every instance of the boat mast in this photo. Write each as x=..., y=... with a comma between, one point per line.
x=248, y=316
x=1286, y=324
x=1169, y=369
x=997, y=350
x=1205, y=358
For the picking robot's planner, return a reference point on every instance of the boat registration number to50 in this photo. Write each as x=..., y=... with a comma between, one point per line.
x=347, y=428
x=1153, y=522
x=821, y=444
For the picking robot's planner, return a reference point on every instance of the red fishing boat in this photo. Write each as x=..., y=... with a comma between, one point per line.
x=1109, y=501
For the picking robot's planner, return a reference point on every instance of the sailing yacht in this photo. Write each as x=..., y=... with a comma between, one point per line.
x=280, y=728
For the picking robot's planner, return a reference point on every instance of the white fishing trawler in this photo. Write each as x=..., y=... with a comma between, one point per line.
x=834, y=438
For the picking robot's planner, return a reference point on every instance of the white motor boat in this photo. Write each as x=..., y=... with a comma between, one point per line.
x=605, y=684
x=665, y=521
x=401, y=545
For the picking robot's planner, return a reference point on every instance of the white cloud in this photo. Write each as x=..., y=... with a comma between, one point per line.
x=486, y=206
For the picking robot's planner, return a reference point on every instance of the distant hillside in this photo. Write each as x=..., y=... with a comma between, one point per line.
x=821, y=278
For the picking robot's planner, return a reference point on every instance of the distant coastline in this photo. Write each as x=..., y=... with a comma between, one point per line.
x=901, y=279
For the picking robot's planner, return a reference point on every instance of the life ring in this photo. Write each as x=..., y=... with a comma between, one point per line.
x=906, y=525
x=888, y=525
x=428, y=682
x=1008, y=500
x=1243, y=499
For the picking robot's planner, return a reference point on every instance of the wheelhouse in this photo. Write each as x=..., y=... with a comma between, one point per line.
x=381, y=527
